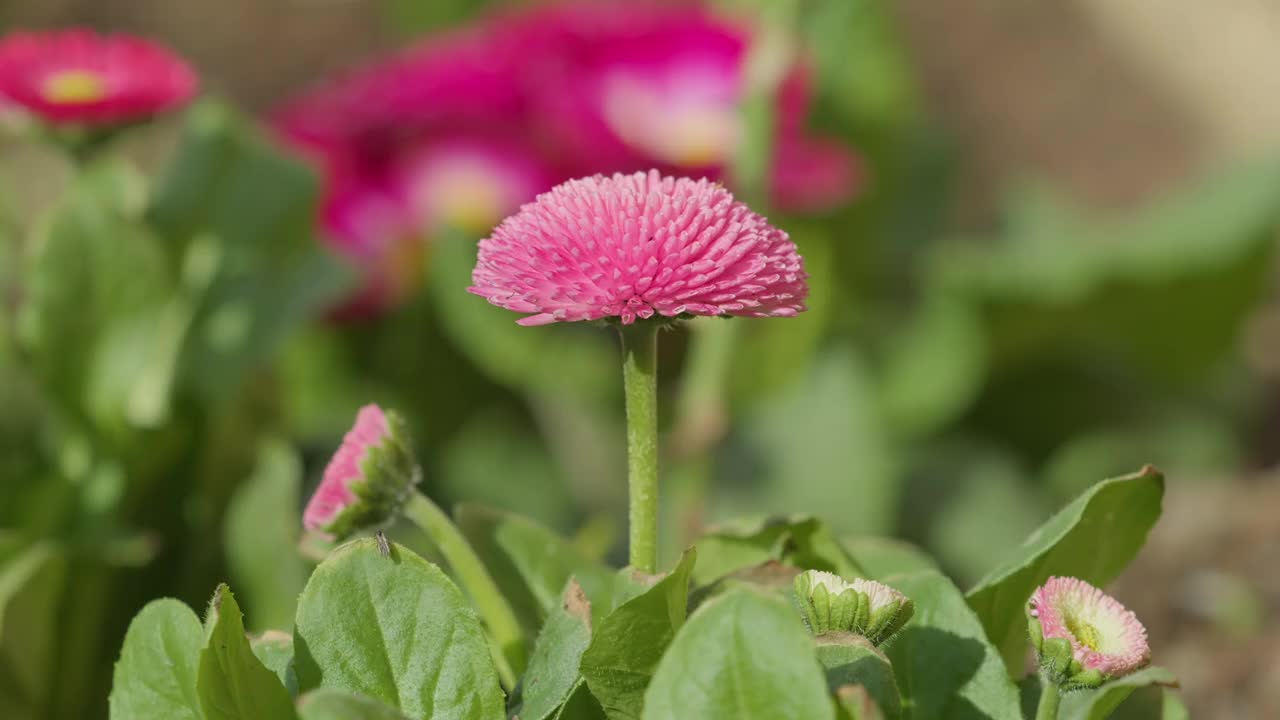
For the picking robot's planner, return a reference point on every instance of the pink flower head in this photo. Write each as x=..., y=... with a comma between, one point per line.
x=81, y=77
x=1104, y=635
x=358, y=489
x=635, y=246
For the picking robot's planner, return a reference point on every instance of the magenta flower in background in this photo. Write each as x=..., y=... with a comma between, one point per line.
x=1104, y=635
x=635, y=246
x=81, y=77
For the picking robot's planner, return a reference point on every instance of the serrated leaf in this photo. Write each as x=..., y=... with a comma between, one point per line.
x=156, y=674
x=232, y=682
x=333, y=704
x=628, y=643
x=944, y=664
x=741, y=656
x=264, y=513
x=396, y=629
x=1101, y=703
x=557, y=655
x=852, y=660
x=1093, y=539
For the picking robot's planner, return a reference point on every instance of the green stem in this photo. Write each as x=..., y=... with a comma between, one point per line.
x=1050, y=696
x=475, y=579
x=640, y=384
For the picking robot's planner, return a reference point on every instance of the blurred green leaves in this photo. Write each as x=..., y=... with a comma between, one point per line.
x=156, y=674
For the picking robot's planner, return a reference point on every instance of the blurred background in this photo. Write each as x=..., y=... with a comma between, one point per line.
x=1047, y=259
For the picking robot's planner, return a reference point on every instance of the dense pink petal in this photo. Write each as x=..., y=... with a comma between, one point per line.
x=334, y=493
x=120, y=78
x=1104, y=635
x=635, y=246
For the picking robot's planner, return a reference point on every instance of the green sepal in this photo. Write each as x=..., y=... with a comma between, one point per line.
x=388, y=473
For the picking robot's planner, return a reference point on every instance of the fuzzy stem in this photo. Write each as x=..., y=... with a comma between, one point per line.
x=640, y=385
x=474, y=578
x=1050, y=696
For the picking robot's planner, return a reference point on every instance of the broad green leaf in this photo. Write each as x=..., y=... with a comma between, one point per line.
x=264, y=513
x=396, y=629
x=31, y=587
x=852, y=660
x=628, y=643
x=563, y=357
x=1093, y=539
x=530, y=563
x=741, y=656
x=1101, y=703
x=880, y=557
x=854, y=702
x=275, y=649
x=799, y=540
x=581, y=705
x=232, y=682
x=944, y=664
x=156, y=674
x=553, y=668
x=334, y=704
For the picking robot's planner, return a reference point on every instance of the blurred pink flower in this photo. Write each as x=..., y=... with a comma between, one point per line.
x=1104, y=635
x=653, y=84
x=336, y=492
x=632, y=246
x=81, y=77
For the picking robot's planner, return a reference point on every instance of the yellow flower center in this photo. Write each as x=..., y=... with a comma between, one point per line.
x=1087, y=634
x=470, y=201
x=74, y=87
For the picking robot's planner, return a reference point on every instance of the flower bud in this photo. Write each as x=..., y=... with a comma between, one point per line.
x=1082, y=636
x=369, y=478
x=863, y=607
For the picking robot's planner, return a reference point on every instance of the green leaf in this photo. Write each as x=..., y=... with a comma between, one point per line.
x=333, y=704
x=232, y=682
x=275, y=649
x=629, y=642
x=880, y=557
x=530, y=563
x=1099, y=704
x=944, y=663
x=1093, y=539
x=581, y=705
x=799, y=540
x=32, y=583
x=553, y=668
x=742, y=656
x=264, y=513
x=156, y=674
x=852, y=660
x=396, y=629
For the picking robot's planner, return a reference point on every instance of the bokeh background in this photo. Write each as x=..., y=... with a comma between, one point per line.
x=1058, y=265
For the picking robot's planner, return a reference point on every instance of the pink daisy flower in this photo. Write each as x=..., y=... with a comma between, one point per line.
x=81, y=77
x=635, y=246
x=367, y=480
x=1104, y=635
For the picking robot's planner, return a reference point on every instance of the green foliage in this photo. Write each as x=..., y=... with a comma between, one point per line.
x=1101, y=703
x=629, y=642
x=945, y=665
x=853, y=660
x=740, y=656
x=1093, y=538
x=799, y=540
x=156, y=675
x=331, y=704
x=232, y=683
x=31, y=581
x=394, y=628
x=553, y=668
